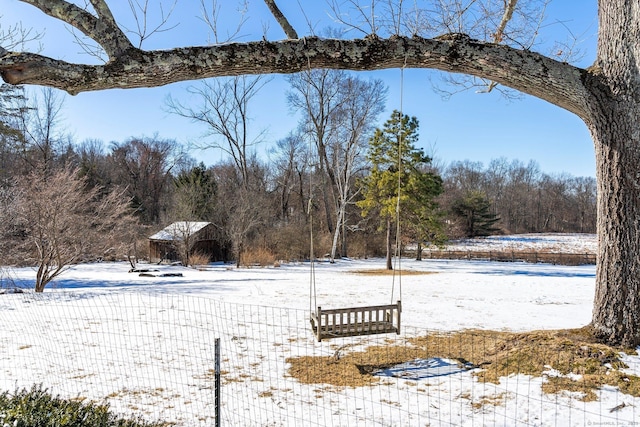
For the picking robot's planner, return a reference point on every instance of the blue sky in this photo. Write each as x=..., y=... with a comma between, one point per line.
x=468, y=126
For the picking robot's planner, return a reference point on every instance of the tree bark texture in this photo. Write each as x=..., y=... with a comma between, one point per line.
x=616, y=314
x=605, y=96
x=616, y=134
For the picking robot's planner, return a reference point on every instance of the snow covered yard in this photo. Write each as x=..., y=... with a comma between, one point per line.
x=145, y=344
x=541, y=242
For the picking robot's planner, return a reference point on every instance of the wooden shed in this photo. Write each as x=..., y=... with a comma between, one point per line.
x=196, y=236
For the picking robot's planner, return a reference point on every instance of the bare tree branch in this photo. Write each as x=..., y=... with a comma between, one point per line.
x=103, y=12
x=16, y=35
x=102, y=29
x=211, y=18
x=506, y=17
x=510, y=6
x=368, y=23
x=282, y=20
x=140, y=14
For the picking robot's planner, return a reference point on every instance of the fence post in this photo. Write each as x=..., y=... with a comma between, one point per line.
x=217, y=381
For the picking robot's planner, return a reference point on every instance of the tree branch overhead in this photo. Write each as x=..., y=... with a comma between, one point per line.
x=522, y=70
x=102, y=29
x=282, y=20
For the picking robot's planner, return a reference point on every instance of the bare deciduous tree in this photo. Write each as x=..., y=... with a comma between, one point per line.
x=316, y=94
x=290, y=166
x=338, y=112
x=362, y=102
x=603, y=95
x=224, y=109
x=92, y=163
x=60, y=222
x=244, y=209
x=143, y=166
x=40, y=125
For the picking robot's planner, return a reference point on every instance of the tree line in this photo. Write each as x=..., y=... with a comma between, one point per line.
x=337, y=173
x=525, y=199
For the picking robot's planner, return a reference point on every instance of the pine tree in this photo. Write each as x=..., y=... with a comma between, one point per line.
x=12, y=106
x=398, y=173
x=196, y=194
x=474, y=211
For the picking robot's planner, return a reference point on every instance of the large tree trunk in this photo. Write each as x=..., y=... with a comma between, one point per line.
x=389, y=246
x=616, y=134
x=337, y=232
x=327, y=205
x=616, y=313
x=343, y=235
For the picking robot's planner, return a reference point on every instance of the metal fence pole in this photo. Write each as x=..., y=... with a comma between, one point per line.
x=217, y=381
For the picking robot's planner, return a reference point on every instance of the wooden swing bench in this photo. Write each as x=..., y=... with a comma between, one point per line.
x=356, y=321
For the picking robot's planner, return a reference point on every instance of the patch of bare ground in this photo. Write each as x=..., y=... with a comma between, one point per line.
x=570, y=360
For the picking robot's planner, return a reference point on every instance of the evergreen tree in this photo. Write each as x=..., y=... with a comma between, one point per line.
x=399, y=175
x=196, y=191
x=426, y=224
x=12, y=106
x=476, y=218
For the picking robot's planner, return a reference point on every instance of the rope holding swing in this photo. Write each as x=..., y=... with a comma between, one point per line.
x=312, y=279
x=398, y=247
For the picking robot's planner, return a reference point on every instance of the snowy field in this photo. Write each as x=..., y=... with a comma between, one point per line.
x=572, y=243
x=144, y=344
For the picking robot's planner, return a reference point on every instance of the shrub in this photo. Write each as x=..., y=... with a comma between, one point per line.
x=198, y=259
x=37, y=408
x=257, y=256
x=289, y=242
x=364, y=245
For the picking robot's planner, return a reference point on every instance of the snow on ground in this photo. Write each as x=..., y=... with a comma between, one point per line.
x=572, y=243
x=458, y=295
x=99, y=330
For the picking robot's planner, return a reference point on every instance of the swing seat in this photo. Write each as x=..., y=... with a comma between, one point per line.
x=356, y=321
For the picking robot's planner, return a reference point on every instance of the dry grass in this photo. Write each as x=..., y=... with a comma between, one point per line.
x=578, y=362
x=258, y=257
x=198, y=259
x=385, y=272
